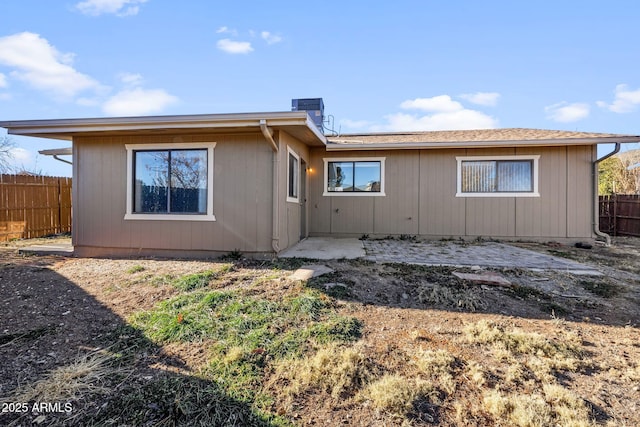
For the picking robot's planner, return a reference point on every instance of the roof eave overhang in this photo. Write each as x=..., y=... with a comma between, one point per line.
x=66, y=151
x=478, y=144
x=66, y=129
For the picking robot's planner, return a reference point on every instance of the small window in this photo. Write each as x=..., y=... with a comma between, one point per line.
x=293, y=176
x=351, y=177
x=502, y=176
x=167, y=182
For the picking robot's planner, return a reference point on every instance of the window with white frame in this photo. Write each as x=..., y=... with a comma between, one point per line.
x=497, y=176
x=354, y=177
x=170, y=181
x=293, y=175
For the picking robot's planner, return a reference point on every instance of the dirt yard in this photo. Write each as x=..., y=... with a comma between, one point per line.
x=239, y=342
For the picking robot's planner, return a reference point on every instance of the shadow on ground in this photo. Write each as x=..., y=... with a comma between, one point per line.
x=84, y=365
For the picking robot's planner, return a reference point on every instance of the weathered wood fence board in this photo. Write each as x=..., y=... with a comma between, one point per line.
x=34, y=206
x=620, y=214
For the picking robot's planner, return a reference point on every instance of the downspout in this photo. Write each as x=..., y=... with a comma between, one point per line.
x=55, y=156
x=596, y=203
x=275, y=191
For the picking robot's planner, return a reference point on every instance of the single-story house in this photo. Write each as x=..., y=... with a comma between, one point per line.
x=204, y=185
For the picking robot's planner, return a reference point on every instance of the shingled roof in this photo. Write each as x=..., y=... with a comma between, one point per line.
x=478, y=135
x=480, y=138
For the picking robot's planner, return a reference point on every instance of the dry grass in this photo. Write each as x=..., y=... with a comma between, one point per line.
x=437, y=365
x=453, y=296
x=71, y=381
x=476, y=373
x=338, y=371
x=541, y=355
x=556, y=406
x=397, y=394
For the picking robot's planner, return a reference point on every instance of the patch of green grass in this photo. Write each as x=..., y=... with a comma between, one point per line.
x=164, y=279
x=200, y=280
x=233, y=319
x=249, y=333
x=135, y=269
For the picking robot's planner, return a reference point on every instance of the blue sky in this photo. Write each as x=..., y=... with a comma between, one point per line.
x=380, y=66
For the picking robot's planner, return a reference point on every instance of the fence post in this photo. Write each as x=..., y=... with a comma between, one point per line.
x=615, y=214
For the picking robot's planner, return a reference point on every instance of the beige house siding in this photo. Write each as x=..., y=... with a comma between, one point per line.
x=242, y=199
x=290, y=212
x=421, y=198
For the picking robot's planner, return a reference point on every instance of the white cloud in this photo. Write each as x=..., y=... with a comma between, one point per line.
x=270, y=38
x=489, y=99
x=234, y=47
x=21, y=155
x=625, y=101
x=457, y=120
x=564, y=112
x=441, y=103
x=88, y=102
x=3, y=80
x=443, y=114
x=227, y=30
x=42, y=66
x=131, y=79
x=355, y=124
x=137, y=102
x=116, y=7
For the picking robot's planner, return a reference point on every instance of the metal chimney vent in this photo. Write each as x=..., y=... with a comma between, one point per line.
x=313, y=106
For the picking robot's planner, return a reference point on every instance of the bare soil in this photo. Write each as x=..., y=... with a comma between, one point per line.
x=56, y=309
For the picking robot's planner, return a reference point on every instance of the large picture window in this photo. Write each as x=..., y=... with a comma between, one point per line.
x=170, y=182
x=502, y=176
x=352, y=177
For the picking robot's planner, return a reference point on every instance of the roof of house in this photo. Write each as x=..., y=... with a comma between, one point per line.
x=480, y=138
x=300, y=125
x=297, y=123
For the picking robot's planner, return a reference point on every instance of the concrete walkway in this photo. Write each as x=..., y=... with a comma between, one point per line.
x=64, y=249
x=490, y=254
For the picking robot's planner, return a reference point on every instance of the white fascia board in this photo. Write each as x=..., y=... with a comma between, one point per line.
x=67, y=151
x=479, y=144
x=311, y=125
x=64, y=128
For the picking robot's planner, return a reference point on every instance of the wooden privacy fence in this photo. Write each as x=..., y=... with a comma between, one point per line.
x=620, y=214
x=34, y=206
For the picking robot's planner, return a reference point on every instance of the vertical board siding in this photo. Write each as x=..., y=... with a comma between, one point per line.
x=545, y=215
x=397, y=212
x=441, y=213
x=34, y=206
x=319, y=206
x=422, y=184
x=290, y=212
x=241, y=197
x=580, y=204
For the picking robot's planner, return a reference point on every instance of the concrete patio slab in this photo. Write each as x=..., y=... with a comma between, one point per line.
x=63, y=249
x=489, y=254
x=325, y=248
